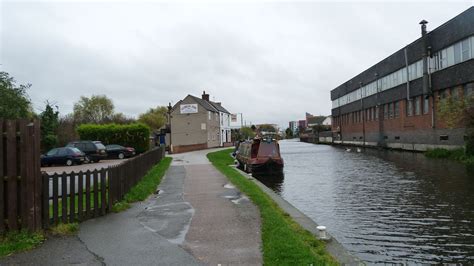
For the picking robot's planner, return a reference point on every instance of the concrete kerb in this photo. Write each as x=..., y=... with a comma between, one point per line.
x=334, y=248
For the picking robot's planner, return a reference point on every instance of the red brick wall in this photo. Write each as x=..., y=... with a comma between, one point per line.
x=186, y=148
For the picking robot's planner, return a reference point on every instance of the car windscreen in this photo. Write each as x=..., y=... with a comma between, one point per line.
x=100, y=146
x=75, y=150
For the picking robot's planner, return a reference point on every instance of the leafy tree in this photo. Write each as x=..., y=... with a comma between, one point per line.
x=247, y=133
x=121, y=119
x=267, y=128
x=14, y=102
x=49, y=125
x=97, y=109
x=155, y=118
x=289, y=133
x=459, y=112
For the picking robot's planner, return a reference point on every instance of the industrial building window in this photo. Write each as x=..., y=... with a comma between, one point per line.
x=373, y=113
x=209, y=114
x=409, y=107
x=426, y=105
x=457, y=53
x=417, y=106
x=376, y=113
x=390, y=110
x=385, y=111
x=466, y=50
x=367, y=114
x=397, y=109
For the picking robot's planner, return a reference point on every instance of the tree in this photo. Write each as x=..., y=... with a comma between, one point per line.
x=459, y=112
x=155, y=118
x=49, y=125
x=14, y=102
x=97, y=109
x=289, y=133
x=247, y=133
x=267, y=128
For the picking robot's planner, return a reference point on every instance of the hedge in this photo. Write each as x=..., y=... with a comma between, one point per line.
x=132, y=135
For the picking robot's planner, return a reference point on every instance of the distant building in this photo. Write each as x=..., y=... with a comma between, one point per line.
x=196, y=124
x=293, y=125
x=302, y=125
x=395, y=103
x=315, y=120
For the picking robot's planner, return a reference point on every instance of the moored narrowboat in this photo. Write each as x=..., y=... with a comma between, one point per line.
x=259, y=154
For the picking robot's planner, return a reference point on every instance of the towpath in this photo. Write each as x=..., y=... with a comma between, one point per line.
x=197, y=218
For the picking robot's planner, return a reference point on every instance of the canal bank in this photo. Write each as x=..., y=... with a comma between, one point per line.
x=383, y=206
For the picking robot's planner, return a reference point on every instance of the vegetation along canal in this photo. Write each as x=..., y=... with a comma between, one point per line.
x=383, y=206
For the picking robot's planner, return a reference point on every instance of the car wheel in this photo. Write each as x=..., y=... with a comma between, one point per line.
x=69, y=162
x=121, y=156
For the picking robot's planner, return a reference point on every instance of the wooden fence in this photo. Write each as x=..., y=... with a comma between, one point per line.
x=20, y=185
x=70, y=197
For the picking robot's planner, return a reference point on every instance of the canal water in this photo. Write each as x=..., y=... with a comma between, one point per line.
x=383, y=206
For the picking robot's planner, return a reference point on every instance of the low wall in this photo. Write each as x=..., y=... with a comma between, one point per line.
x=186, y=148
x=399, y=146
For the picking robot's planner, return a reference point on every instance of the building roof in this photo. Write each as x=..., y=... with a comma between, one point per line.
x=219, y=107
x=316, y=120
x=208, y=105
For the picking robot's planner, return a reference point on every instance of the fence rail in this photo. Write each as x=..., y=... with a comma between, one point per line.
x=71, y=197
x=20, y=184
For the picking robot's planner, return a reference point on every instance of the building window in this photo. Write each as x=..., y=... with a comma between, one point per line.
x=466, y=50
x=409, y=107
x=368, y=113
x=397, y=109
x=390, y=110
x=385, y=111
x=426, y=105
x=457, y=53
x=417, y=106
x=376, y=113
x=209, y=114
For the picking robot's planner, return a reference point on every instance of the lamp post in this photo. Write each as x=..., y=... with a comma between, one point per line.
x=169, y=124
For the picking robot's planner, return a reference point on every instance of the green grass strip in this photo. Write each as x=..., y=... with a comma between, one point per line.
x=16, y=241
x=455, y=155
x=284, y=241
x=146, y=186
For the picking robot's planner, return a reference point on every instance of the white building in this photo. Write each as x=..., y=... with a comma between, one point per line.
x=224, y=121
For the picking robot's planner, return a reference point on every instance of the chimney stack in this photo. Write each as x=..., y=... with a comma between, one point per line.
x=205, y=96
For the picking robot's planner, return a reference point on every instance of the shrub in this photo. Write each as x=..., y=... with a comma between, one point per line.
x=133, y=135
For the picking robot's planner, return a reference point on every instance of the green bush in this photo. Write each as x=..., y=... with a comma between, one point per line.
x=132, y=135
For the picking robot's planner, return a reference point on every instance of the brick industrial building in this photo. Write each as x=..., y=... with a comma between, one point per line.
x=395, y=102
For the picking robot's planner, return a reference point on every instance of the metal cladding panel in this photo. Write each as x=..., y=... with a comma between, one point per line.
x=450, y=32
x=453, y=76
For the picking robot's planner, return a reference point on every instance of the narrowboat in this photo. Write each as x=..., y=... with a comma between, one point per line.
x=259, y=154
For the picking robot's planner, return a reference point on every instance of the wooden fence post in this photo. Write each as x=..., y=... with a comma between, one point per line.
x=11, y=165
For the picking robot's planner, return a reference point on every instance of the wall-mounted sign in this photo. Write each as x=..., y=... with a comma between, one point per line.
x=191, y=108
x=233, y=117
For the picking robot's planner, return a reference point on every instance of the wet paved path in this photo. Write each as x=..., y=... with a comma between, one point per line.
x=197, y=218
x=225, y=228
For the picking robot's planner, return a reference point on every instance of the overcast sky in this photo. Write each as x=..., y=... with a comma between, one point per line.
x=271, y=61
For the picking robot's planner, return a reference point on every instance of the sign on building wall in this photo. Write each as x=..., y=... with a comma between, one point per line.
x=191, y=108
x=233, y=117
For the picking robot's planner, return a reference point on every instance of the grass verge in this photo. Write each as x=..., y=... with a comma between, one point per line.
x=456, y=155
x=284, y=241
x=64, y=229
x=145, y=187
x=16, y=241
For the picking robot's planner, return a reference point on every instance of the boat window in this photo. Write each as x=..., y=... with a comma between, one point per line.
x=268, y=149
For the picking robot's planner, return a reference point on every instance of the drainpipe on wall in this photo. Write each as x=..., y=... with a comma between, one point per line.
x=363, y=113
x=381, y=141
x=408, y=75
x=427, y=88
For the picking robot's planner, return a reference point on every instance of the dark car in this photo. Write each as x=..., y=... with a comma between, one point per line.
x=65, y=155
x=118, y=151
x=94, y=150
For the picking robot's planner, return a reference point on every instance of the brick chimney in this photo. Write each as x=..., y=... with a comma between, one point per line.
x=205, y=96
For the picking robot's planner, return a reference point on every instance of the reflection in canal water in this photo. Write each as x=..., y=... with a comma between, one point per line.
x=272, y=180
x=384, y=206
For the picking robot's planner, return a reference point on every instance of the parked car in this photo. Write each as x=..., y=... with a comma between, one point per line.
x=64, y=155
x=118, y=151
x=94, y=150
